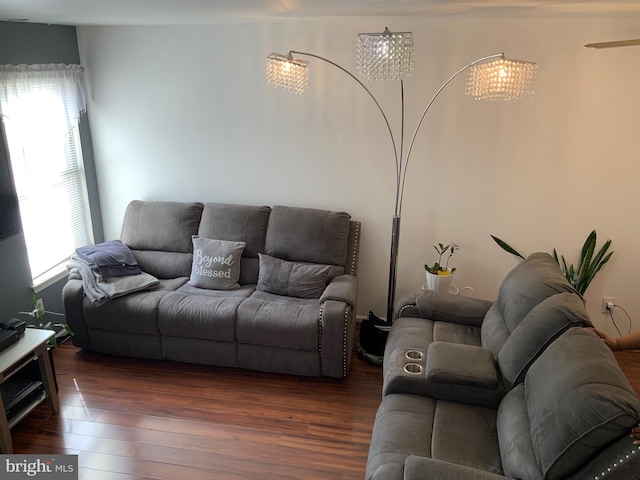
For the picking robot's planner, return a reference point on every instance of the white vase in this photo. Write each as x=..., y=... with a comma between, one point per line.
x=439, y=283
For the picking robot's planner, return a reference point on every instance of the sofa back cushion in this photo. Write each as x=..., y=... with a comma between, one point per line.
x=529, y=283
x=238, y=223
x=514, y=437
x=159, y=234
x=295, y=279
x=578, y=402
x=544, y=323
x=308, y=235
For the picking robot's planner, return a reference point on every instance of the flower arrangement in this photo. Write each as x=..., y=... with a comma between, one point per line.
x=438, y=268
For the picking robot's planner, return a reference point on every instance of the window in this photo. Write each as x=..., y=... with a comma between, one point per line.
x=41, y=106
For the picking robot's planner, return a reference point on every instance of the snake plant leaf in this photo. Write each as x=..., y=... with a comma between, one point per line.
x=595, y=265
x=507, y=247
x=580, y=278
x=67, y=328
x=587, y=253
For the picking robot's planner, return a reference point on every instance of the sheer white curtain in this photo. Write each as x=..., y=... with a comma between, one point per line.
x=41, y=106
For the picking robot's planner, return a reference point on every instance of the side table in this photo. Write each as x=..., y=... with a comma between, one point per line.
x=32, y=347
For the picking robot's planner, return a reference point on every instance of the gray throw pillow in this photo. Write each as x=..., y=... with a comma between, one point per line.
x=216, y=263
x=294, y=279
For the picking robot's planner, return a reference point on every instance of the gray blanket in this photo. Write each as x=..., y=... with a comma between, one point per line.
x=99, y=289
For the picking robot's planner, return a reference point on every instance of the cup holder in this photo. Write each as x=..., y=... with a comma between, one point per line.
x=413, y=368
x=414, y=355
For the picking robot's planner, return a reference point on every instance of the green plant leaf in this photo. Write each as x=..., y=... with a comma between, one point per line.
x=580, y=277
x=585, y=256
x=598, y=261
x=506, y=247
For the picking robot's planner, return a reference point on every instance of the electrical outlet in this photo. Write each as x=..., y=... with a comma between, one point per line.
x=603, y=305
x=40, y=306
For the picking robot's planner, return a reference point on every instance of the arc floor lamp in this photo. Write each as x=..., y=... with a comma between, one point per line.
x=389, y=56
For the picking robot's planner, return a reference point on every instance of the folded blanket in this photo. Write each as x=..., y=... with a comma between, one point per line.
x=110, y=259
x=99, y=292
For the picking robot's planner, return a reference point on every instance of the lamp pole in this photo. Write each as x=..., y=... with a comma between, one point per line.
x=402, y=163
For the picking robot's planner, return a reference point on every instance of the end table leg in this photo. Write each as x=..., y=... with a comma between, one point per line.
x=6, y=445
x=46, y=373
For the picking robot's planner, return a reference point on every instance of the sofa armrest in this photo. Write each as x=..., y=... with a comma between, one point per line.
x=445, y=371
x=406, y=306
x=73, y=297
x=445, y=307
x=338, y=325
x=461, y=364
x=419, y=468
x=343, y=288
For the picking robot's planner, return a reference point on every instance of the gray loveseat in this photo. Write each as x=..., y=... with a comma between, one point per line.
x=513, y=388
x=474, y=349
x=291, y=308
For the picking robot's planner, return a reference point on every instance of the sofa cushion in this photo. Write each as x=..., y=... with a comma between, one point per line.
x=455, y=333
x=239, y=223
x=162, y=226
x=514, y=437
x=534, y=279
x=494, y=332
x=277, y=321
x=403, y=427
x=134, y=313
x=582, y=407
x=531, y=281
x=421, y=468
x=466, y=435
x=308, y=235
x=166, y=265
x=201, y=314
x=541, y=326
x=450, y=308
x=216, y=263
x=461, y=364
x=294, y=279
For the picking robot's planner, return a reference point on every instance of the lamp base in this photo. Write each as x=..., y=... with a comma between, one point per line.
x=372, y=339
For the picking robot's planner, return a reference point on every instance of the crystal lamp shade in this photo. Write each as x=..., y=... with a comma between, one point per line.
x=288, y=73
x=385, y=56
x=501, y=79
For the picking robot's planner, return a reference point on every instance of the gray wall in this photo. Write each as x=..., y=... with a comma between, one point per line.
x=30, y=44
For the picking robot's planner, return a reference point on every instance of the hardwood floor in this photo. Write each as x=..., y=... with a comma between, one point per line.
x=136, y=419
x=629, y=362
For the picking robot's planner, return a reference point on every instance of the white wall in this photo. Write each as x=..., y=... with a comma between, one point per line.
x=184, y=113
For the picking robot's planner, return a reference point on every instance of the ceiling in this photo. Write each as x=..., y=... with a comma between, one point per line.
x=185, y=12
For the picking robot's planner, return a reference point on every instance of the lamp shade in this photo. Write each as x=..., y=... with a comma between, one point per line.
x=385, y=56
x=290, y=74
x=501, y=79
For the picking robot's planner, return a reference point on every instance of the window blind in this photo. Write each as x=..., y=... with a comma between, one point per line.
x=41, y=107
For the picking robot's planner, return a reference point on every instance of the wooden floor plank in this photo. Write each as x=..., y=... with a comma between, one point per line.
x=130, y=419
x=142, y=419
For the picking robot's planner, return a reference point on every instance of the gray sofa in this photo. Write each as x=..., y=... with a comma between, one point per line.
x=474, y=349
x=291, y=310
x=514, y=388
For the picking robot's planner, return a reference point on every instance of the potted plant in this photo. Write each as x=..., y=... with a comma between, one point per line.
x=38, y=313
x=439, y=276
x=589, y=265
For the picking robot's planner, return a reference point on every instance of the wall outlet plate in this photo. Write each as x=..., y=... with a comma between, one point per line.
x=605, y=300
x=40, y=306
